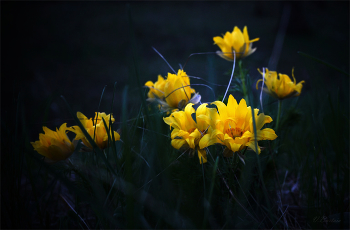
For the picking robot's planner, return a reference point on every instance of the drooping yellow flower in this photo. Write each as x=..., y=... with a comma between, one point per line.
x=187, y=132
x=55, y=146
x=280, y=86
x=235, y=41
x=174, y=92
x=232, y=126
x=95, y=128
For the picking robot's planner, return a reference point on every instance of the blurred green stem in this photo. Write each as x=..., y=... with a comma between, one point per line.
x=70, y=163
x=235, y=161
x=279, y=113
x=241, y=74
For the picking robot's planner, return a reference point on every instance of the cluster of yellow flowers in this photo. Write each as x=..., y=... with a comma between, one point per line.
x=230, y=125
x=56, y=146
x=277, y=85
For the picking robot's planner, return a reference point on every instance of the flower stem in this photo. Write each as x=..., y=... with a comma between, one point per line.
x=235, y=161
x=279, y=113
x=244, y=88
x=69, y=163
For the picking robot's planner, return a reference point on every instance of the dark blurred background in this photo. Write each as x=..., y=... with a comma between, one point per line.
x=74, y=49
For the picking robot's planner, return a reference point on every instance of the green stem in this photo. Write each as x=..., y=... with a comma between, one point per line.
x=279, y=113
x=258, y=161
x=244, y=88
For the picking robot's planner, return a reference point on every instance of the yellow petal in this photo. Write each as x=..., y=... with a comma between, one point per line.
x=222, y=109
x=54, y=145
x=149, y=84
x=49, y=132
x=196, y=134
x=268, y=134
x=256, y=86
x=178, y=143
x=202, y=155
x=172, y=122
x=190, y=141
x=206, y=141
x=235, y=147
x=116, y=136
x=251, y=145
x=182, y=133
x=241, y=113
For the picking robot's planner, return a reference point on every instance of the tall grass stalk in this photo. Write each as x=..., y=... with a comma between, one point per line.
x=258, y=159
x=243, y=77
x=278, y=114
x=323, y=62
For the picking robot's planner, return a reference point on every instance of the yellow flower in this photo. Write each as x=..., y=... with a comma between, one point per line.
x=187, y=132
x=237, y=41
x=232, y=126
x=156, y=89
x=172, y=93
x=280, y=86
x=95, y=128
x=55, y=146
x=178, y=89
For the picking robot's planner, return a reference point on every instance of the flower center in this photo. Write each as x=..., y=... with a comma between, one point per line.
x=235, y=132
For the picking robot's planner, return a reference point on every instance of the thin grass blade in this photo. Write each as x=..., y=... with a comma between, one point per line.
x=322, y=62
